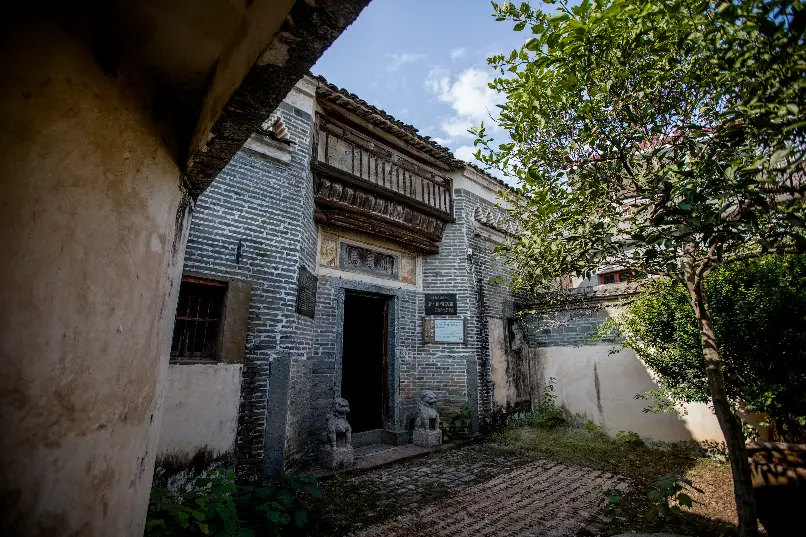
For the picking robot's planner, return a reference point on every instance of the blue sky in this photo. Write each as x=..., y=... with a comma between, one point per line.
x=425, y=63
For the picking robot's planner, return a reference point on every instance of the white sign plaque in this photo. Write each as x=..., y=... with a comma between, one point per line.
x=449, y=330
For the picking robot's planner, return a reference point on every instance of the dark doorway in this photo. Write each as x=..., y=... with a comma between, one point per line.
x=364, y=360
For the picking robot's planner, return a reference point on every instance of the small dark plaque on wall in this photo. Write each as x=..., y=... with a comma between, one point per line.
x=306, y=292
x=440, y=303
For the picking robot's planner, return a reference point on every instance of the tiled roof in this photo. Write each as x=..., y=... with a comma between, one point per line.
x=403, y=131
x=583, y=297
x=377, y=117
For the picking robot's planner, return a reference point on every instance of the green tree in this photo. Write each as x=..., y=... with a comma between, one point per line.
x=663, y=136
x=759, y=314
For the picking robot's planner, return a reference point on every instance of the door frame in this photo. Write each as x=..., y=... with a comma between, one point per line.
x=389, y=367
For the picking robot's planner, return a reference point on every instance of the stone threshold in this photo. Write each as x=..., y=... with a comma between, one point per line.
x=376, y=455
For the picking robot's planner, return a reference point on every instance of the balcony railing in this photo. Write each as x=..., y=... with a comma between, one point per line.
x=347, y=150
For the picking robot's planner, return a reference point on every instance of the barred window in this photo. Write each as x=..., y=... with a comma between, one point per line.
x=621, y=276
x=198, y=319
x=608, y=278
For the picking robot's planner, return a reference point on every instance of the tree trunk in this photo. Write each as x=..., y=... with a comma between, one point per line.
x=729, y=422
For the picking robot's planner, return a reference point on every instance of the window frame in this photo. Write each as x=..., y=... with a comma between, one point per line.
x=219, y=287
x=618, y=276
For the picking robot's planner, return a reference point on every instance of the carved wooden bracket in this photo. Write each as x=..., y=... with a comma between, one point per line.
x=362, y=185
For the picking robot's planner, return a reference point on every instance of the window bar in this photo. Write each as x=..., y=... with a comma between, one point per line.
x=189, y=326
x=206, y=327
x=196, y=325
x=183, y=340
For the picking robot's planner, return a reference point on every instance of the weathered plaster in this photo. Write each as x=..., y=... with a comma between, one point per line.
x=200, y=410
x=510, y=368
x=600, y=386
x=246, y=89
x=255, y=35
x=94, y=227
x=479, y=184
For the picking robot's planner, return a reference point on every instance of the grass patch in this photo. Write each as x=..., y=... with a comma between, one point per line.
x=596, y=450
x=346, y=500
x=642, y=464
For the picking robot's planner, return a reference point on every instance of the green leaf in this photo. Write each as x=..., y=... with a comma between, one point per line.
x=300, y=516
x=519, y=26
x=685, y=499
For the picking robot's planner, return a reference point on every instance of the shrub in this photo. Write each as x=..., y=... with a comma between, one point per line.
x=457, y=424
x=547, y=414
x=668, y=496
x=759, y=311
x=629, y=438
x=592, y=428
x=216, y=505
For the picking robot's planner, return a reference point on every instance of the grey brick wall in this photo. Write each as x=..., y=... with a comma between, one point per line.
x=447, y=369
x=266, y=206
x=292, y=363
x=568, y=328
x=493, y=300
x=458, y=373
x=574, y=319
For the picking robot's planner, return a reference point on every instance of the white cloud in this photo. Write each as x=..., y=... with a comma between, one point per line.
x=465, y=153
x=438, y=80
x=396, y=61
x=458, y=53
x=441, y=141
x=457, y=127
x=468, y=94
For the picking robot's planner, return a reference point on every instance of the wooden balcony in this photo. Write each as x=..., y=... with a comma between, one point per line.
x=364, y=185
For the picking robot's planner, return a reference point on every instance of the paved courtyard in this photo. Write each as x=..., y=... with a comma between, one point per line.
x=478, y=490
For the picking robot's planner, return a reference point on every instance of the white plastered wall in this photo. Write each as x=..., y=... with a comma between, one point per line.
x=592, y=382
x=200, y=409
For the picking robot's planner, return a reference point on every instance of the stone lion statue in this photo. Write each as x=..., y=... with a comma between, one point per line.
x=427, y=416
x=339, y=433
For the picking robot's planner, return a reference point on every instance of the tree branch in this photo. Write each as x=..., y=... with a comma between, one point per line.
x=761, y=253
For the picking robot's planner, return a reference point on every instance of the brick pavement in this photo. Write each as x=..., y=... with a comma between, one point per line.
x=478, y=490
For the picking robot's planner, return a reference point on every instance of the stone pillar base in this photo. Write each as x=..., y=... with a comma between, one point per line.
x=335, y=459
x=427, y=437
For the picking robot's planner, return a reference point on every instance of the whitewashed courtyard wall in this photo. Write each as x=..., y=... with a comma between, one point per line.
x=592, y=382
x=597, y=381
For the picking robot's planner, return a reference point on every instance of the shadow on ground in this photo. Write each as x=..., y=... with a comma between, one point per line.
x=523, y=481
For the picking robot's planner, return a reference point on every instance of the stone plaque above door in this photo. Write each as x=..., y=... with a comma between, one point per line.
x=347, y=255
x=360, y=259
